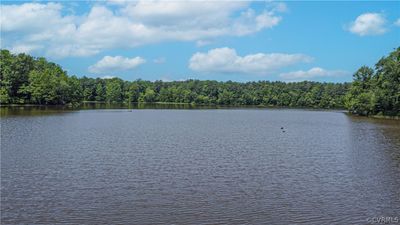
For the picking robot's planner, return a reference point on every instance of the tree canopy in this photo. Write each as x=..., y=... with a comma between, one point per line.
x=376, y=90
x=28, y=80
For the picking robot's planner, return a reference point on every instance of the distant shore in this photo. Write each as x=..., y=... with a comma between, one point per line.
x=115, y=105
x=77, y=105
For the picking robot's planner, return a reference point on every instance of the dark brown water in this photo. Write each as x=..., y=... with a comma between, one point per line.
x=236, y=166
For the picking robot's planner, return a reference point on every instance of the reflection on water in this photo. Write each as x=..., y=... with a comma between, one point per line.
x=386, y=132
x=6, y=111
x=197, y=167
x=34, y=110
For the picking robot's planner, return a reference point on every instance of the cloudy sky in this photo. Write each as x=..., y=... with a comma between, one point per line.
x=217, y=40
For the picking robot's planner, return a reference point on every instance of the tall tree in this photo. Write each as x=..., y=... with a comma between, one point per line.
x=114, y=90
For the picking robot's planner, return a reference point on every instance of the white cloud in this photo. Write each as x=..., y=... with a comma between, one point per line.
x=117, y=2
x=226, y=60
x=31, y=17
x=368, y=24
x=182, y=13
x=397, y=22
x=249, y=22
x=117, y=63
x=160, y=60
x=201, y=43
x=32, y=26
x=281, y=7
x=127, y=24
x=315, y=72
x=24, y=48
x=108, y=77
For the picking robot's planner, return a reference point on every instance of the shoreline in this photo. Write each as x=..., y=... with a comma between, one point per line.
x=169, y=103
x=378, y=117
x=182, y=106
x=385, y=117
x=206, y=106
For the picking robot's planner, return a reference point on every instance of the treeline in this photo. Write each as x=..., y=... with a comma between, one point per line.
x=376, y=91
x=28, y=80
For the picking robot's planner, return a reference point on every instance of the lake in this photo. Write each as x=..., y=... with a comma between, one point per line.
x=197, y=166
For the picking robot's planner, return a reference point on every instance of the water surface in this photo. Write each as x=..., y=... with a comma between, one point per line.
x=206, y=166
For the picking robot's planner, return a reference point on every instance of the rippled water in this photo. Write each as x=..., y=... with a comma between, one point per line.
x=198, y=167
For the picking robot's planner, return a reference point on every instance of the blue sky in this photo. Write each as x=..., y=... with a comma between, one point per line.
x=177, y=40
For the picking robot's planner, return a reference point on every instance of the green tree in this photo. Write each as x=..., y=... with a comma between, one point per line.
x=133, y=92
x=42, y=87
x=113, y=90
x=100, y=90
x=387, y=84
x=148, y=96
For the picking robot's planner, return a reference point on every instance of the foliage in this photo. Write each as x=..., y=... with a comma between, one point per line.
x=25, y=79
x=376, y=91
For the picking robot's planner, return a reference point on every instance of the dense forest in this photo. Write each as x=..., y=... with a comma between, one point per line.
x=376, y=90
x=28, y=80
